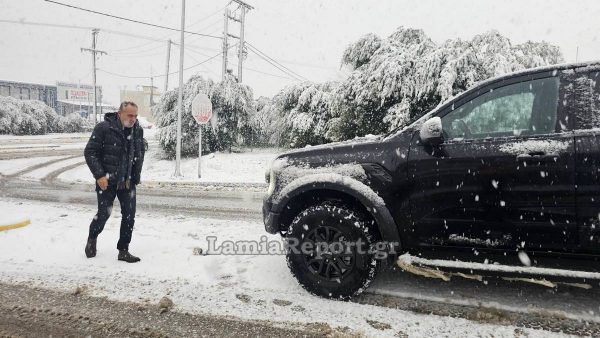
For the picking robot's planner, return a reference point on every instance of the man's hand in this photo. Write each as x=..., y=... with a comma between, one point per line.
x=102, y=182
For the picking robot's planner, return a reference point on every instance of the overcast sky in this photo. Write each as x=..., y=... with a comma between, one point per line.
x=307, y=36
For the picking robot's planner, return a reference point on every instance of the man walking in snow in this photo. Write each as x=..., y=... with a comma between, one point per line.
x=115, y=154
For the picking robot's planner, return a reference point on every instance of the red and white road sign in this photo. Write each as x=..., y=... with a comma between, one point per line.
x=202, y=108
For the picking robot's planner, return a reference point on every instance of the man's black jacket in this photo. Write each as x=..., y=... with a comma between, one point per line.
x=106, y=151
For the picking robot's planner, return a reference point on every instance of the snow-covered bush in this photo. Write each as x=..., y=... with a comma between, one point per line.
x=73, y=123
x=232, y=106
x=30, y=117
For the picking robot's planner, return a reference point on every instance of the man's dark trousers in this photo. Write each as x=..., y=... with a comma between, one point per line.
x=106, y=199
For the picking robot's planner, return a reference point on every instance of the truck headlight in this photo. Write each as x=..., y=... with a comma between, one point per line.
x=271, y=181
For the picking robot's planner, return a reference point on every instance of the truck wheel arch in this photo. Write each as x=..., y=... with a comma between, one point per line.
x=313, y=189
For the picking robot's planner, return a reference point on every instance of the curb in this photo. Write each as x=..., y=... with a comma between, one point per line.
x=15, y=225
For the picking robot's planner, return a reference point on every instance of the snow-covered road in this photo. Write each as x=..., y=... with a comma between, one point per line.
x=27, y=147
x=49, y=253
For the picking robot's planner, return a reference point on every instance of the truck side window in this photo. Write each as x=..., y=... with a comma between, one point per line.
x=524, y=108
x=586, y=107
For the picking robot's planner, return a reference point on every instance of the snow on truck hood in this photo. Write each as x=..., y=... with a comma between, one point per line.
x=357, y=140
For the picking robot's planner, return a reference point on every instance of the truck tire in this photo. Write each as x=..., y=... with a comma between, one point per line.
x=339, y=262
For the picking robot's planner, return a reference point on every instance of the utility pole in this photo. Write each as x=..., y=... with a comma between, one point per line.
x=94, y=51
x=180, y=110
x=168, y=61
x=244, y=7
x=225, y=44
x=241, y=46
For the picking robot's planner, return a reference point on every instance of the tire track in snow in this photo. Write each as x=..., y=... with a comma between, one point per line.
x=51, y=177
x=38, y=166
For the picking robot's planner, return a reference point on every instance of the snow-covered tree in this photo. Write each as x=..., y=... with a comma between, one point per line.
x=361, y=52
x=262, y=122
x=409, y=75
x=232, y=105
x=300, y=114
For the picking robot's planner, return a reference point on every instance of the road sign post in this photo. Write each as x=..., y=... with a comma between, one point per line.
x=202, y=113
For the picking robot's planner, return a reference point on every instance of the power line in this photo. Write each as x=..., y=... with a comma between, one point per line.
x=120, y=56
x=110, y=31
x=128, y=76
x=208, y=70
x=137, y=46
x=308, y=65
x=137, y=52
x=198, y=48
x=208, y=16
x=276, y=66
x=265, y=73
x=275, y=63
x=203, y=29
x=45, y=24
x=131, y=20
x=170, y=36
x=266, y=57
x=235, y=65
x=162, y=75
x=195, y=51
x=256, y=51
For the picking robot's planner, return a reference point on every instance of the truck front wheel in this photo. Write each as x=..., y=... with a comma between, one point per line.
x=330, y=251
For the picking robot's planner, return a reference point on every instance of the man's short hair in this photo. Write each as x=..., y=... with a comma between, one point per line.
x=125, y=104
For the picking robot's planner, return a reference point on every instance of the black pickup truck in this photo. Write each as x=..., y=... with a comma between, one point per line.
x=504, y=174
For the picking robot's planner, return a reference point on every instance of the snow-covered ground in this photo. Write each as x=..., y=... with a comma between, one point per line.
x=9, y=167
x=246, y=167
x=53, y=136
x=242, y=167
x=49, y=253
x=40, y=173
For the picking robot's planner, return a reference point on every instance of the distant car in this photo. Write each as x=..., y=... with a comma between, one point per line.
x=506, y=173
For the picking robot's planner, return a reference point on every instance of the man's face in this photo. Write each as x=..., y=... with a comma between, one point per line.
x=128, y=116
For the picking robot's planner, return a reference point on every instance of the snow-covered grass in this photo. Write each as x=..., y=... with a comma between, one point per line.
x=246, y=167
x=244, y=286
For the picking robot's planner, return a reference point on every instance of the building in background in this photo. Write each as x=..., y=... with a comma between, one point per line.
x=29, y=91
x=65, y=98
x=145, y=97
x=79, y=98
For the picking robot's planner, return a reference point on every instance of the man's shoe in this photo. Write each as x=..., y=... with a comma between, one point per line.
x=125, y=256
x=90, y=248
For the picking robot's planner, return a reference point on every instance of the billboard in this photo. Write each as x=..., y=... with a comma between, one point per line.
x=76, y=92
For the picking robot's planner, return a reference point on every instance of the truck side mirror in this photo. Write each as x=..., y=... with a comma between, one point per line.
x=431, y=131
